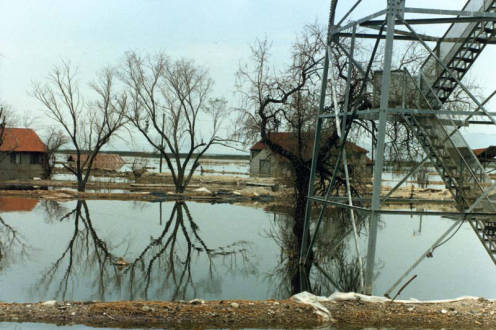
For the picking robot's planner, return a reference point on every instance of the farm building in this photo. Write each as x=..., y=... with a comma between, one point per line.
x=110, y=162
x=486, y=155
x=21, y=154
x=263, y=162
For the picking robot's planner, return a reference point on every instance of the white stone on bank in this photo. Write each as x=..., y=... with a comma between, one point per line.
x=49, y=303
x=203, y=190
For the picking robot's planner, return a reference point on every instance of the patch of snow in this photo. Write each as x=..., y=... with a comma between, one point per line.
x=203, y=189
x=340, y=296
x=314, y=301
x=49, y=303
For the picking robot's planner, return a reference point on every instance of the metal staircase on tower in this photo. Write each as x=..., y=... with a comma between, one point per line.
x=458, y=56
x=435, y=125
x=459, y=168
x=457, y=165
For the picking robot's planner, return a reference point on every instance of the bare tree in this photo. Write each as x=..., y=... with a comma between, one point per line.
x=173, y=109
x=88, y=125
x=2, y=124
x=7, y=119
x=11, y=117
x=286, y=100
x=54, y=141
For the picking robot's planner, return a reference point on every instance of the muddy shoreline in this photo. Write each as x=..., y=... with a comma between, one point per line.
x=469, y=313
x=266, y=192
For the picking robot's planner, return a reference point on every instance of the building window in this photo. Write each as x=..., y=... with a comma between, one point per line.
x=264, y=167
x=15, y=157
x=35, y=158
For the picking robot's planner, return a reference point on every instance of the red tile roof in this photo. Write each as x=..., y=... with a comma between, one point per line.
x=102, y=161
x=287, y=140
x=21, y=139
x=477, y=152
x=486, y=153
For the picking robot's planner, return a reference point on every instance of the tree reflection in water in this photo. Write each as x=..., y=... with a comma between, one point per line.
x=335, y=265
x=53, y=209
x=13, y=247
x=162, y=269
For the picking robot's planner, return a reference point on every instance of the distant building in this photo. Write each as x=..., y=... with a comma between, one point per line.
x=263, y=162
x=111, y=162
x=21, y=154
x=486, y=155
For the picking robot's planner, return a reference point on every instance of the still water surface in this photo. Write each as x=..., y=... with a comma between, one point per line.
x=71, y=251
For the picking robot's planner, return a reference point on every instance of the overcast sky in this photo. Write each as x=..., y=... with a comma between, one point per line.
x=36, y=35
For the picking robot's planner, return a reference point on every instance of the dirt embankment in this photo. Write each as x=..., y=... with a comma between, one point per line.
x=221, y=189
x=470, y=313
x=464, y=314
x=211, y=189
x=195, y=314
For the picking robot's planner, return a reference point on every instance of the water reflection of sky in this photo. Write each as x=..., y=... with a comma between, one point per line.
x=461, y=267
x=245, y=261
x=127, y=229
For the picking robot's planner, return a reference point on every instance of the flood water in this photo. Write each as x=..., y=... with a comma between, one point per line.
x=72, y=251
x=238, y=167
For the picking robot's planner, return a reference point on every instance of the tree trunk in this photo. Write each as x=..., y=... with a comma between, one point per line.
x=180, y=186
x=47, y=168
x=300, y=279
x=81, y=184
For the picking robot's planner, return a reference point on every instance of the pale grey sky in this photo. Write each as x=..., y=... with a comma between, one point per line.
x=35, y=35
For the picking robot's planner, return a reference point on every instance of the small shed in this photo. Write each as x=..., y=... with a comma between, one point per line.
x=110, y=162
x=21, y=154
x=263, y=162
x=486, y=155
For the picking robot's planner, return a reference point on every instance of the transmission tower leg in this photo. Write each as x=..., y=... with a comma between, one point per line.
x=308, y=210
x=394, y=10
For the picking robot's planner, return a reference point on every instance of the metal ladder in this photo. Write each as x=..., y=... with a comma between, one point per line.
x=458, y=56
x=450, y=154
x=464, y=184
x=439, y=136
x=486, y=234
x=465, y=181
